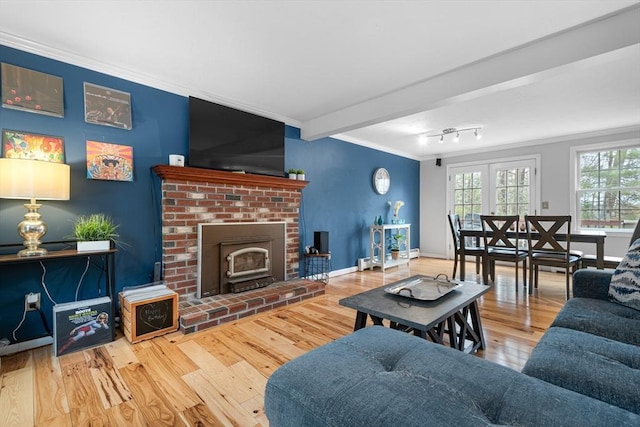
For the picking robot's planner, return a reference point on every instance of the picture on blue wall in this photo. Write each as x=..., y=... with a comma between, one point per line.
x=33, y=146
x=32, y=91
x=111, y=162
x=107, y=107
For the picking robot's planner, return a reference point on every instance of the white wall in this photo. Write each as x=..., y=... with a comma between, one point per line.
x=555, y=185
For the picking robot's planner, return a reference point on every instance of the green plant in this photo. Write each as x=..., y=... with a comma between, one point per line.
x=293, y=171
x=300, y=172
x=95, y=227
x=396, y=241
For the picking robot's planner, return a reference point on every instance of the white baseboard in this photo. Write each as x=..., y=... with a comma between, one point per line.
x=6, y=350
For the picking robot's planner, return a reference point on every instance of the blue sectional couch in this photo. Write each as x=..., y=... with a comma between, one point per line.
x=585, y=371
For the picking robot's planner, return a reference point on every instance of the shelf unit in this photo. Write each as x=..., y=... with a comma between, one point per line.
x=379, y=237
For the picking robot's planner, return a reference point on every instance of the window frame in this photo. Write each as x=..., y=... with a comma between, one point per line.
x=574, y=160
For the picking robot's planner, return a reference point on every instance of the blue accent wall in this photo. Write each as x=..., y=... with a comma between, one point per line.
x=339, y=199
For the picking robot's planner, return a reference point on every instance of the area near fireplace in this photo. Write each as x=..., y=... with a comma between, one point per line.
x=194, y=196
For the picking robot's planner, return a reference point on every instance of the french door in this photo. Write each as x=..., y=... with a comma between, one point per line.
x=508, y=187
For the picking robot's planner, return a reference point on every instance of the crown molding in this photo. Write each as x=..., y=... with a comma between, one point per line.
x=35, y=48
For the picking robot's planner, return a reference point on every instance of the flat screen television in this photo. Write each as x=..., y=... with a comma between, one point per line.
x=224, y=138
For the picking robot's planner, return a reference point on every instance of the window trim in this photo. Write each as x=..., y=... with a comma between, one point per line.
x=574, y=168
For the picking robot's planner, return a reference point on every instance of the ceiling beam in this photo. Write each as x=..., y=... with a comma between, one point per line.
x=579, y=46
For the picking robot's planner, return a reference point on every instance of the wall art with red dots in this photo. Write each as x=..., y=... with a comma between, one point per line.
x=32, y=91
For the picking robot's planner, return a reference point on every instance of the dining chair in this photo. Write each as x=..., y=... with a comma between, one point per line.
x=502, y=243
x=473, y=250
x=546, y=248
x=590, y=260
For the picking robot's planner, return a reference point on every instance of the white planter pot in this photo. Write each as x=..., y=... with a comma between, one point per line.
x=293, y=176
x=99, y=245
x=301, y=176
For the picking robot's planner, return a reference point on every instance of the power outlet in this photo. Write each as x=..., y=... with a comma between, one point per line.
x=32, y=301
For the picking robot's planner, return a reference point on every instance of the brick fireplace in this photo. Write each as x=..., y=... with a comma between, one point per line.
x=193, y=196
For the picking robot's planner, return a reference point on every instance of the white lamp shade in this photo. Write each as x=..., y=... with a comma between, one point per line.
x=34, y=179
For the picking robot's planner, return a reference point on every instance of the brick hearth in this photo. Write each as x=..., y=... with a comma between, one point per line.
x=191, y=196
x=200, y=314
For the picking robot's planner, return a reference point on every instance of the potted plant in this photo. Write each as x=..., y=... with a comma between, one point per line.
x=95, y=232
x=293, y=174
x=300, y=174
x=396, y=241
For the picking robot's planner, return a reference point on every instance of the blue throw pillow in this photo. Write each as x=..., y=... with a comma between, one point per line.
x=625, y=282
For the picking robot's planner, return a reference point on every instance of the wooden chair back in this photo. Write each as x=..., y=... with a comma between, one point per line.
x=454, y=225
x=495, y=229
x=547, y=226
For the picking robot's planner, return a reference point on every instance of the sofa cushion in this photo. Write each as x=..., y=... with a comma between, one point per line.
x=625, y=282
x=588, y=364
x=382, y=377
x=600, y=317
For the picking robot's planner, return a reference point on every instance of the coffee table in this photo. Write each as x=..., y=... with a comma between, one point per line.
x=454, y=315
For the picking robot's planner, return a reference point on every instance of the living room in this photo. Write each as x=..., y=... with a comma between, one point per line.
x=339, y=198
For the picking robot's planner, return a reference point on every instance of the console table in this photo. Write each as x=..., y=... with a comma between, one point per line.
x=109, y=269
x=379, y=235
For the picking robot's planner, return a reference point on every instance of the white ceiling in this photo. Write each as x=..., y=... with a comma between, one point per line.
x=377, y=73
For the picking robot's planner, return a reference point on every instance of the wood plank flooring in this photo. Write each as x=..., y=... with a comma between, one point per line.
x=217, y=377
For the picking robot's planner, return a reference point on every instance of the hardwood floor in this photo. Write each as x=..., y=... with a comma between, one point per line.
x=217, y=377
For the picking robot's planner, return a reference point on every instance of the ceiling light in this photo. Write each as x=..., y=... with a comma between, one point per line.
x=448, y=131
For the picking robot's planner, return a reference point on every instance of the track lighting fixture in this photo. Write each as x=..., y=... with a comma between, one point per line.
x=456, y=138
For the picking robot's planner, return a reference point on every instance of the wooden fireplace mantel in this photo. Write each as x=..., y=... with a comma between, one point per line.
x=180, y=173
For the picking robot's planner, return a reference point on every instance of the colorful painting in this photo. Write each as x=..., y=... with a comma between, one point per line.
x=23, y=145
x=108, y=107
x=110, y=162
x=32, y=91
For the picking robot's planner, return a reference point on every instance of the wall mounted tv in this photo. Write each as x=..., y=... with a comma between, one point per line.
x=224, y=138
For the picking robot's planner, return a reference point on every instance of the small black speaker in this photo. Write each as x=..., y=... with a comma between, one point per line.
x=438, y=161
x=321, y=241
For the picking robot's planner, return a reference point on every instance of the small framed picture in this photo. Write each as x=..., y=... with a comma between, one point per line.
x=107, y=107
x=24, y=145
x=32, y=91
x=111, y=162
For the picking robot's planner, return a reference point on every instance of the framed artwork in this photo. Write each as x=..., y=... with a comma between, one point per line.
x=109, y=162
x=107, y=107
x=32, y=91
x=23, y=145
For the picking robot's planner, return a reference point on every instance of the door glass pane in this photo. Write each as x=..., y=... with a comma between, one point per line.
x=512, y=191
x=468, y=197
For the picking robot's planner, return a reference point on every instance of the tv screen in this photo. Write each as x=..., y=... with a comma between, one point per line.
x=224, y=138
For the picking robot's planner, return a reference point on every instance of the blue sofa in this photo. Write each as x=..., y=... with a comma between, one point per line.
x=585, y=371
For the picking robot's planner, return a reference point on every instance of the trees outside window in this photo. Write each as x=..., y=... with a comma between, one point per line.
x=609, y=188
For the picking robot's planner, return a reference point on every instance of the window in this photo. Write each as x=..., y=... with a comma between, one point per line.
x=608, y=188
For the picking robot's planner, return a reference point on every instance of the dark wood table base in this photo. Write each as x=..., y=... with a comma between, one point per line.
x=463, y=329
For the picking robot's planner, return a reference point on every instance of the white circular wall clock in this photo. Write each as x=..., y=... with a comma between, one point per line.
x=381, y=180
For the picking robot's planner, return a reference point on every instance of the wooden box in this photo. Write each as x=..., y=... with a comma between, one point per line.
x=145, y=315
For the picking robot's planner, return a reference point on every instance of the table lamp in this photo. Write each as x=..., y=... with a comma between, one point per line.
x=31, y=180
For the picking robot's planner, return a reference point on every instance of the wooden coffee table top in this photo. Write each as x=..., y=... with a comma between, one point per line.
x=418, y=314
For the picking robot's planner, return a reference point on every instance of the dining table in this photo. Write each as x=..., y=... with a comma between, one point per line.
x=582, y=236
